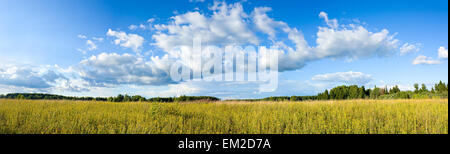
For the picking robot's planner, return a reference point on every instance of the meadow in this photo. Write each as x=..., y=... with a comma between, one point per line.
x=416, y=116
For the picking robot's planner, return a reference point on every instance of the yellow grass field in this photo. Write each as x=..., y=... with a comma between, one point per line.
x=428, y=116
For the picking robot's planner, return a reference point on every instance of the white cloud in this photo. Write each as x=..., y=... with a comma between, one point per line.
x=443, y=52
x=230, y=24
x=123, y=39
x=91, y=45
x=132, y=27
x=142, y=26
x=264, y=23
x=227, y=25
x=407, y=48
x=82, y=36
x=151, y=20
x=37, y=78
x=333, y=23
x=354, y=43
x=115, y=69
x=422, y=60
x=351, y=77
x=21, y=76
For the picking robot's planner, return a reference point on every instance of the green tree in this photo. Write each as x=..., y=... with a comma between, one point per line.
x=441, y=87
x=323, y=96
x=362, y=92
x=353, y=92
x=424, y=88
x=394, y=90
x=137, y=98
x=416, y=88
x=126, y=98
x=20, y=97
x=326, y=95
x=375, y=93
x=119, y=98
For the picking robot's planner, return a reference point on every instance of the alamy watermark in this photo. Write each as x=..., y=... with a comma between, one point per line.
x=230, y=64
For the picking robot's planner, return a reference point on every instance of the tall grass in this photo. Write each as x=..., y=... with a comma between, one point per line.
x=428, y=116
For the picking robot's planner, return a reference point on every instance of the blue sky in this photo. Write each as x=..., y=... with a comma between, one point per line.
x=44, y=44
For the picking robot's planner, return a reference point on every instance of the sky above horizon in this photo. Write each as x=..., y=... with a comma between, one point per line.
x=109, y=47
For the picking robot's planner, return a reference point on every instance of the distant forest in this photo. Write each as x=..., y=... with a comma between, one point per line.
x=440, y=90
x=118, y=98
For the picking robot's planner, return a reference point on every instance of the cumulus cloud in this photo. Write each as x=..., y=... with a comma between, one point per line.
x=91, y=44
x=354, y=43
x=407, y=48
x=424, y=60
x=355, y=78
x=348, y=41
x=123, y=39
x=42, y=78
x=264, y=23
x=114, y=69
x=443, y=52
x=229, y=24
x=24, y=77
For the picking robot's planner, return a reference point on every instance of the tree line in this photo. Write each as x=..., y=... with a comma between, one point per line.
x=39, y=96
x=138, y=98
x=439, y=90
x=118, y=98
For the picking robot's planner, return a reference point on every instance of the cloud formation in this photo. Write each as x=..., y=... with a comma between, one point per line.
x=333, y=23
x=109, y=69
x=351, y=78
x=91, y=45
x=82, y=36
x=443, y=53
x=229, y=24
x=123, y=39
x=424, y=60
x=407, y=48
x=44, y=78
